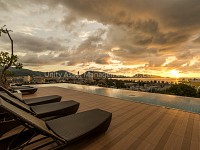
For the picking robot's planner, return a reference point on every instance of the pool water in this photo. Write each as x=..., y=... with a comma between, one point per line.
x=170, y=101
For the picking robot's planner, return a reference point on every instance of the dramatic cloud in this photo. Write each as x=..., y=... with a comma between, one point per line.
x=26, y=43
x=197, y=40
x=32, y=59
x=90, y=50
x=3, y=6
x=171, y=13
x=112, y=35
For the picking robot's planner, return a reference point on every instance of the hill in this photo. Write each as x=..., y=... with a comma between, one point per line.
x=28, y=72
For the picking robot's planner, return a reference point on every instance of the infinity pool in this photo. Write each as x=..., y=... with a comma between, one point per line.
x=170, y=101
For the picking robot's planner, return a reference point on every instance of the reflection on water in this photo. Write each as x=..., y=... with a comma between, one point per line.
x=178, y=102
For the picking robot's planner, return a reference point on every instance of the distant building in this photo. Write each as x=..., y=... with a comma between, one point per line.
x=18, y=79
x=90, y=77
x=27, y=79
x=130, y=85
x=38, y=79
x=195, y=83
x=198, y=89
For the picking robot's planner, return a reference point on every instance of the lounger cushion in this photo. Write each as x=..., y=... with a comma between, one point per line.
x=20, y=87
x=43, y=100
x=25, y=89
x=57, y=108
x=51, y=110
x=74, y=127
x=35, y=101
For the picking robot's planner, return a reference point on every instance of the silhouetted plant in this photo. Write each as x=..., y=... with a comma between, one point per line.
x=7, y=61
x=182, y=90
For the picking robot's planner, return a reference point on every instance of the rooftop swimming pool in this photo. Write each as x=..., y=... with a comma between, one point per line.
x=170, y=101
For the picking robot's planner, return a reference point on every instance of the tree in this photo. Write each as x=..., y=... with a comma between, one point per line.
x=7, y=61
x=119, y=84
x=182, y=90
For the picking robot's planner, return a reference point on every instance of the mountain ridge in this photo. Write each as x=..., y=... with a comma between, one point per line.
x=29, y=72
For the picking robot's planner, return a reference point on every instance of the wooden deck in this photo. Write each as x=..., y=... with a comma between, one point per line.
x=134, y=125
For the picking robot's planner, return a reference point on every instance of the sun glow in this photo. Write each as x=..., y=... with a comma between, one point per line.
x=174, y=73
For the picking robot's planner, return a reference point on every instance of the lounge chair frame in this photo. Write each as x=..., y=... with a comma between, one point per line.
x=56, y=98
x=7, y=123
x=39, y=127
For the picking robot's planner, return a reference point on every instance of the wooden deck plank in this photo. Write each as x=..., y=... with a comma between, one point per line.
x=165, y=135
x=139, y=133
x=134, y=125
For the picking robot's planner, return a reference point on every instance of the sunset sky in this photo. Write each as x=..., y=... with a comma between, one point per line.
x=160, y=37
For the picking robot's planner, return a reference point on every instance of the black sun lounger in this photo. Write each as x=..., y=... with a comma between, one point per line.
x=35, y=101
x=24, y=89
x=44, y=110
x=52, y=110
x=61, y=131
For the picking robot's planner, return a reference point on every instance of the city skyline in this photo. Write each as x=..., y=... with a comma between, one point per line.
x=119, y=37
